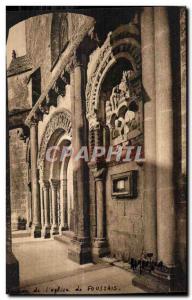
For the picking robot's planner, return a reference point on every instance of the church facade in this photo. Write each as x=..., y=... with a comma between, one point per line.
x=96, y=81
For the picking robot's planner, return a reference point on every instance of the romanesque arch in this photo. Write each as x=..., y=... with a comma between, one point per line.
x=60, y=123
x=122, y=43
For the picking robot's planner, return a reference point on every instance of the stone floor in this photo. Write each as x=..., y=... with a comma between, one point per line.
x=45, y=269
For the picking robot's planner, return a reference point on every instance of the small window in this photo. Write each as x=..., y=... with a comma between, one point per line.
x=124, y=185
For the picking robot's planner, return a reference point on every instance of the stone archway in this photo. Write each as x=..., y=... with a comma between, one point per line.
x=121, y=53
x=124, y=42
x=53, y=174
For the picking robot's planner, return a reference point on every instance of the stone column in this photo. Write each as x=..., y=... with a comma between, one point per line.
x=54, y=188
x=100, y=247
x=36, y=226
x=47, y=226
x=80, y=250
x=164, y=141
x=148, y=80
x=42, y=204
x=63, y=198
x=72, y=97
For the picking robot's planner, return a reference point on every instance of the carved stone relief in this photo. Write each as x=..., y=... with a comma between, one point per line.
x=61, y=120
x=122, y=44
x=122, y=110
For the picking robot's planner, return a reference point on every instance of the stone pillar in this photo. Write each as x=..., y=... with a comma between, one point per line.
x=63, y=200
x=36, y=226
x=164, y=141
x=42, y=205
x=72, y=97
x=100, y=247
x=54, y=188
x=47, y=226
x=80, y=249
x=148, y=80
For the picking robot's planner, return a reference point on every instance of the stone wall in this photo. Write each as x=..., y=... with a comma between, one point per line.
x=18, y=178
x=124, y=217
x=38, y=34
x=19, y=92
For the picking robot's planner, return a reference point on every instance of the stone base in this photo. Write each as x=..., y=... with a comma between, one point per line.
x=100, y=249
x=36, y=231
x=12, y=274
x=63, y=228
x=80, y=251
x=46, y=232
x=54, y=230
x=156, y=281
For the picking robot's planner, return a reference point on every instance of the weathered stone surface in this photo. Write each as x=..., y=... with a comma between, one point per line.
x=18, y=178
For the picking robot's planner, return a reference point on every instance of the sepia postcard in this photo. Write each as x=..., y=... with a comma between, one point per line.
x=96, y=150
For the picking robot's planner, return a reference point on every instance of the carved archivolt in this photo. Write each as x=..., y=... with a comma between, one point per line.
x=60, y=120
x=123, y=42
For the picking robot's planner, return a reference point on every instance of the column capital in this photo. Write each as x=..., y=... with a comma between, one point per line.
x=54, y=183
x=45, y=184
x=33, y=122
x=99, y=173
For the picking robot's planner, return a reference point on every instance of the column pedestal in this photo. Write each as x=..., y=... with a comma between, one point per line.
x=100, y=248
x=80, y=251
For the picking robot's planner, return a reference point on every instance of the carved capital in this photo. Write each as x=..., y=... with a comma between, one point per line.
x=45, y=184
x=99, y=173
x=54, y=184
x=33, y=122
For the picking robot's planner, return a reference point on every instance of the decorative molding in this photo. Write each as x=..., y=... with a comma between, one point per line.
x=60, y=120
x=118, y=44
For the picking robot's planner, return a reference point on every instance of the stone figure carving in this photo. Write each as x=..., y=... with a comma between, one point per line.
x=122, y=108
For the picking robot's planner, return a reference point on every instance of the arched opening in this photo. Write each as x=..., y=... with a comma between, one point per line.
x=56, y=177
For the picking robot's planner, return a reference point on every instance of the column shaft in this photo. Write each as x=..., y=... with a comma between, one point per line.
x=100, y=208
x=80, y=247
x=80, y=164
x=63, y=201
x=42, y=206
x=72, y=96
x=34, y=182
x=54, y=187
x=164, y=144
x=46, y=228
x=148, y=80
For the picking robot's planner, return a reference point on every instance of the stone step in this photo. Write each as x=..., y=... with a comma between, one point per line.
x=65, y=238
x=21, y=233
x=160, y=274
x=151, y=284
